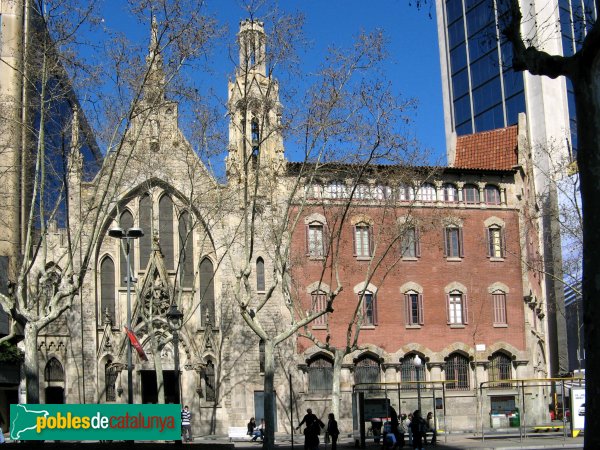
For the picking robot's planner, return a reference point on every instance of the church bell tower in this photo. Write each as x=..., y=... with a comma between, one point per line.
x=255, y=142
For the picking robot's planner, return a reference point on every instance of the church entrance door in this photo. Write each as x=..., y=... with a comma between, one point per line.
x=150, y=389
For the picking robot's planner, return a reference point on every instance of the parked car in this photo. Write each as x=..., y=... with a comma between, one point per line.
x=581, y=411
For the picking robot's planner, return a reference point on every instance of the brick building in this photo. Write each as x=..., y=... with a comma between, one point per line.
x=434, y=259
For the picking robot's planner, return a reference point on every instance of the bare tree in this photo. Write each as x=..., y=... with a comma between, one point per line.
x=50, y=272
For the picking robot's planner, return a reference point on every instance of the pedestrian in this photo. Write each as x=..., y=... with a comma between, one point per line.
x=418, y=427
x=311, y=434
x=186, y=424
x=403, y=429
x=395, y=424
x=308, y=419
x=251, y=426
x=259, y=432
x=432, y=426
x=409, y=429
x=332, y=430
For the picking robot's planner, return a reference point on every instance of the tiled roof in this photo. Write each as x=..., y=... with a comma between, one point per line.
x=496, y=149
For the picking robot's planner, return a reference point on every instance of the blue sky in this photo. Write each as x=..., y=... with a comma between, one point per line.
x=413, y=65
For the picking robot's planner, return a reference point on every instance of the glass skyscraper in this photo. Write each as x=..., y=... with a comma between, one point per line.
x=481, y=90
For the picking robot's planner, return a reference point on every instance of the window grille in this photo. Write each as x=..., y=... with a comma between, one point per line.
x=457, y=369
x=320, y=375
x=500, y=369
x=366, y=371
x=410, y=372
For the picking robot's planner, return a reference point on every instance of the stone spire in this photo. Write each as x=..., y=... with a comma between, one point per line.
x=155, y=83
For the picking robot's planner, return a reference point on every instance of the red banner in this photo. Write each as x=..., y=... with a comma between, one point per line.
x=136, y=344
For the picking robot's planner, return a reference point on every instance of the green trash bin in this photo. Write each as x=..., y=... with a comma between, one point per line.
x=514, y=420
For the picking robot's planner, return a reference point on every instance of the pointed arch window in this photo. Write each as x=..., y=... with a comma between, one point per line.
x=165, y=230
x=107, y=289
x=457, y=371
x=54, y=371
x=126, y=222
x=500, y=369
x=260, y=275
x=146, y=225
x=209, y=382
x=186, y=253
x=261, y=356
x=255, y=132
x=207, y=291
x=410, y=372
x=110, y=379
x=320, y=375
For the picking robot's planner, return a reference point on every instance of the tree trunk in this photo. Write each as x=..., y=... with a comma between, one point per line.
x=269, y=398
x=336, y=396
x=587, y=101
x=31, y=363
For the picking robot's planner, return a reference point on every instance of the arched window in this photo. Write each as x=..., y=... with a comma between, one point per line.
x=406, y=192
x=409, y=371
x=186, y=251
x=500, y=369
x=255, y=130
x=450, y=193
x=335, y=189
x=363, y=192
x=315, y=242
x=107, y=289
x=457, y=371
x=165, y=230
x=457, y=308
x=207, y=291
x=261, y=356
x=146, y=225
x=471, y=194
x=492, y=194
x=126, y=222
x=110, y=378
x=54, y=371
x=382, y=192
x=363, y=240
x=410, y=243
x=320, y=375
x=427, y=193
x=366, y=370
x=319, y=303
x=260, y=275
x=495, y=241
x=209, y=381
x=499, y=304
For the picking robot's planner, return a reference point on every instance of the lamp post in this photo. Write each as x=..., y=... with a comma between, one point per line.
x=175, y=318
x=418, y=364
x=128, y=236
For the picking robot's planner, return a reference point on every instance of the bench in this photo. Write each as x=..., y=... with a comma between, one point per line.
x=238, y=433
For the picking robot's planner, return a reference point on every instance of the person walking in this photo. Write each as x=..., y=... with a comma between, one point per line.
x=332, y=430
x=186, y=424
x=402, y=429
x=407, y=423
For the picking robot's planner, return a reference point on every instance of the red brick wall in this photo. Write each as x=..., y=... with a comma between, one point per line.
x=432, y=271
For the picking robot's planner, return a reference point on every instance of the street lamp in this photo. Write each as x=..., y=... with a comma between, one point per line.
x=418, y=364
x=128, y=236
x=175, y=318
